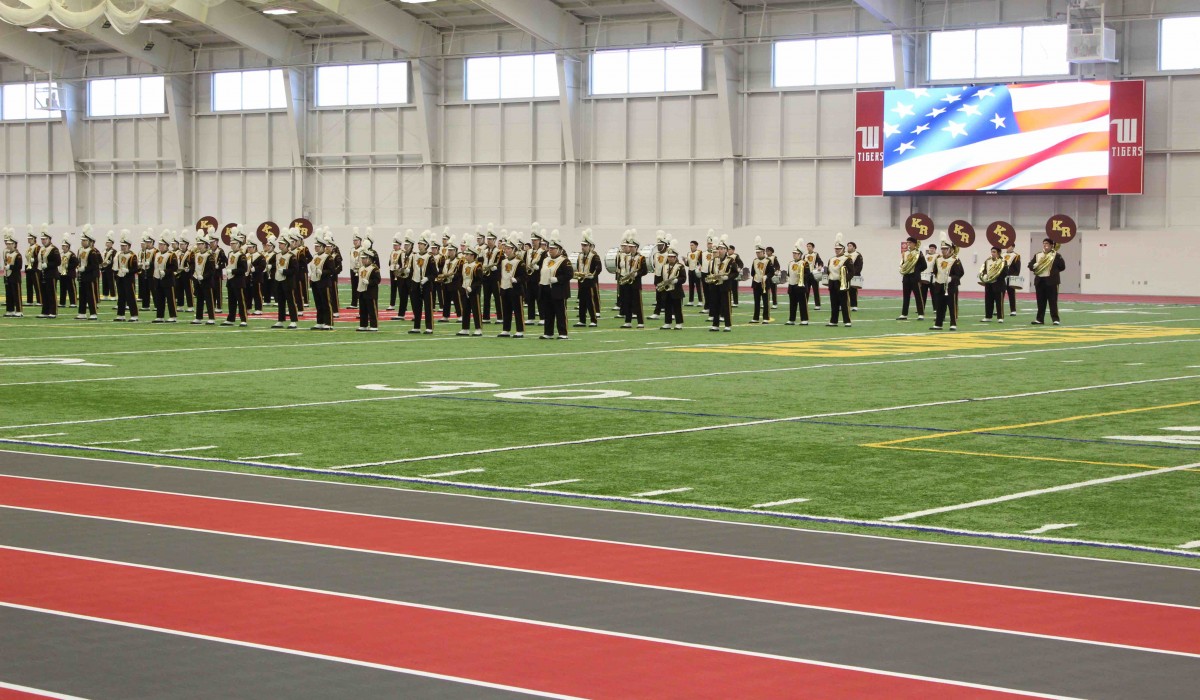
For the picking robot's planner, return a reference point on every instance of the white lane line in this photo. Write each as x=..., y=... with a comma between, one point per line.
x=1050, y=526
x=38, y=435
x=483, y=615
x=1186, y=428
x=1038, y=492
x=553, y=483
x=281, y=454
x=454, y=473
x=827, y=365
x=113, y=442
x=1194, y=544
x=39, y=692
x=1134, y=364
x=1067, y=362
x=189, y=449
x=283, y=650
x=779, y=503
x=744, y=424
x=661, y=492
x=1013, y=359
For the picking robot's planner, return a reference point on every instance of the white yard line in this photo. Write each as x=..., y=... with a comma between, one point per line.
x=661, y=492
x=281, y=454
x=1195, y=544
x=189, y=449
x=828, y=365
x=113, y=442
x=1050, y=526
x=454, y=473
x=38, y=435
x=553, y=483
x=745, y=424
x=1037, y=492
x=779, y=503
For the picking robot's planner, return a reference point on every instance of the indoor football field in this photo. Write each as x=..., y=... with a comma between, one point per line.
x=1079, y=439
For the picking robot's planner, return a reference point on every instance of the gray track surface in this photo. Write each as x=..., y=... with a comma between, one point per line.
x=993, y=658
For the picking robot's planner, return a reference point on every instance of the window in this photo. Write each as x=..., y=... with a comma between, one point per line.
x=836, y=61
x=25, y=101
x=248, y=90
x=675, y=69
x=364, y=84
x=1177, y=47
x=999, y=52
x=120, y=97
x=512, y=77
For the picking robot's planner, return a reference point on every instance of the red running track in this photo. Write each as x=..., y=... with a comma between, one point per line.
x=13, y=694
x=1131, y=623
x=462, y=645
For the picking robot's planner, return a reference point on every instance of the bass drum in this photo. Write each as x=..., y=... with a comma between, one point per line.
x=610, y=260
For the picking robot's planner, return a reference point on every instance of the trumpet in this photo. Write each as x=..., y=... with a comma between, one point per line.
x=665, y=286
x=716, y=278
x=580, y=276
x=626, y=278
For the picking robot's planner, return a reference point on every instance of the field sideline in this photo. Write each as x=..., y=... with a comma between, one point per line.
x=1082, y=439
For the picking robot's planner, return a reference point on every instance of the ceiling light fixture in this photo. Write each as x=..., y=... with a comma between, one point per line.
x=279, y=11
x=41, y=30
x=156, y=20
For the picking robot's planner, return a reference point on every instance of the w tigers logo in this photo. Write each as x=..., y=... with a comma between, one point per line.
x=1127, y=130
x=868, y=137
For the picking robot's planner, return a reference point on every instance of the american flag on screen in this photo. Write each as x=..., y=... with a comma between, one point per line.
x=1019, y=137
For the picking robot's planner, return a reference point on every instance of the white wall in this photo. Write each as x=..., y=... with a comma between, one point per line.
x=738, y=156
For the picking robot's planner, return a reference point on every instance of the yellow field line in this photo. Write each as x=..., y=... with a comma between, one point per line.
x=1036, y=459
x=1030, y=425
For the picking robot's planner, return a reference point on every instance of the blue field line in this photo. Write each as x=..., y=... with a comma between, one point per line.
x=567, y=495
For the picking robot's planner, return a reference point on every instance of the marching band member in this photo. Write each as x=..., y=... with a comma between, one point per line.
x=695, y=283
x=395, y=262
x=33, y=280
x=368, y=286
x=797, y=273
x=622, y=261
x=335, y=272
x=761, y=270
x=490, y=258
x=12, y=276
x=912, y=265
x=422, y=283
x=268, y=285
x=305, y=256
x=721, y=276
x=108, y=281
x=450, y=280
x=404, y=273
x=675, y=275
x=204, y=269
x=554, y=284
x=707, y=261
x=256, y=269
x=735, y=281
x=185, y=296
x=320, y=274
x=287, y=273
x=856, y=268
x=813, y=265
x=145, y=271
x=512, y=289
x=49, y=261
x=926, y=281
x=1046, y=267
x=355, y=264
x=993, y=276
x=68, y=268
x=839, y=269
x=163, y=273
x=125, y=269
x=235, y=278
x=89, y=261
x=437, y=256
x=631, y=281
x=948, y=271
x=658, y=260
x=773, y=280
x=1013, y=260
x=587, y=272
x=221, y=260
x=533, y=266
x=472, y=276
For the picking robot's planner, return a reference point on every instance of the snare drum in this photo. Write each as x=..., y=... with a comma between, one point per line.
x=1016, y=281
x=856, y=281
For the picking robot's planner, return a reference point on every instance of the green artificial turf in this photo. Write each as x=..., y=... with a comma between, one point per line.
x=845, y=392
